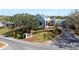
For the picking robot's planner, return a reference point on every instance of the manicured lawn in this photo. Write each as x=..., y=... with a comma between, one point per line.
x=38, y=35
x=41, y=37
x=4, y=30
x=44, y=36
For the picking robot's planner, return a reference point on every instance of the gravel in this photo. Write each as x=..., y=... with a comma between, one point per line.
x=67, y=40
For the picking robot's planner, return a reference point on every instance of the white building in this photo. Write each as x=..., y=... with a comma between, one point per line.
x=45, y=20
x=1, y=24
x=59, y=21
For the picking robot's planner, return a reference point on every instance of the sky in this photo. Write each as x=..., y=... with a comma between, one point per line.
x=47, y=12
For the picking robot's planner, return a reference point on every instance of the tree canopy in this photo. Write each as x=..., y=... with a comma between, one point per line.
x=24, y=20
x=73, y=20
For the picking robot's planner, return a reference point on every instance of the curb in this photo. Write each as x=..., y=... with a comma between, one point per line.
x=4, y=46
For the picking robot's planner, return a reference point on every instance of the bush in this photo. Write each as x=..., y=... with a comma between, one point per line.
x=19, y=36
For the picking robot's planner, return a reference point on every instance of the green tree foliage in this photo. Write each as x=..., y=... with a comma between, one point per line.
x=23, y=23
x=26, y=21
x=60, y=17
x=9, y=18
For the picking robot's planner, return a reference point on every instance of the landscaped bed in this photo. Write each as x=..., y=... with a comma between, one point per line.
x=41, y=37
x=45, y=36
x=2, y=44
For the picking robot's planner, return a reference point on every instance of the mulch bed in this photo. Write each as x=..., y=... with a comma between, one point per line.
x=30, y=39
x=2, y=44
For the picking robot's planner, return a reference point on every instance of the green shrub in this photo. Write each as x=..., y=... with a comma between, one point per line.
x=19, y=36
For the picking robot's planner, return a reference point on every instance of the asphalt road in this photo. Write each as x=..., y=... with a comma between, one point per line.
x=21, y=45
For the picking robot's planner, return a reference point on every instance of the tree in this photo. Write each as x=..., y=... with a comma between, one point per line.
x=67, y=37
x=73, y=20
x=26, y=21
x=23, y=23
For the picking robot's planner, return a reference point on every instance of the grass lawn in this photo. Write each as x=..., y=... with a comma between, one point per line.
x=39, y=35
x=44, y=36
x=4, y=30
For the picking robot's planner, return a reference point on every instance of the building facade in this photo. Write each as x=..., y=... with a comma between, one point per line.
x=45, y=20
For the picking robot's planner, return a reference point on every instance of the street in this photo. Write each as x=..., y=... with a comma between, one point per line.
x=21, y=45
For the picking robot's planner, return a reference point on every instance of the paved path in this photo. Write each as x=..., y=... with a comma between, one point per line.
x=21, y=45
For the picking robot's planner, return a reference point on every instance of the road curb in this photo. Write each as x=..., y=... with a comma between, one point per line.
x=5, y=45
